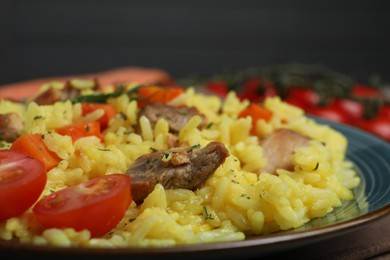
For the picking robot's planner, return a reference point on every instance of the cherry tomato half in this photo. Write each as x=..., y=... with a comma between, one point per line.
x=109, y=112
x=97, y=205
x=81, y=129
x=22, y=180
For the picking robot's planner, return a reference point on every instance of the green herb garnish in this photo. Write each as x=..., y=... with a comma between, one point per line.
x=103, y=97
x=206, y=214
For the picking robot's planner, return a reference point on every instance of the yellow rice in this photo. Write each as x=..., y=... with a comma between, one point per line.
x=234, y=204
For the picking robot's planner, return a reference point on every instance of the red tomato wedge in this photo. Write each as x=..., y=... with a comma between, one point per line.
x=158, y=94
x=22, y=180
x=33, y=146
x=96, y=205
x=109, y=112
x=256, y=112
x=82, y=129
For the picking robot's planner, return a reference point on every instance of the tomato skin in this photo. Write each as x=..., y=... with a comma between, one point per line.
x=33, y=146
x=219, y=88
x=158, y=94
x=109, y=112
x=379, y=126
x=96, y=205
x=256, y=112
x=353, y=109
x=22, y=180
x=256, y=90
x=81, y=129
x=329, y=113
x=384, y=111
x=302, y=97
x=365, y=91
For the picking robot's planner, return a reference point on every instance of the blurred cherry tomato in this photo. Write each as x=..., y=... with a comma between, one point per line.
x=365, y=91
x=330, y=113
x=352, y=108
x=219, y=88
x=257, y=90
x=302, y=97
x=384, y=111
x=379, y=126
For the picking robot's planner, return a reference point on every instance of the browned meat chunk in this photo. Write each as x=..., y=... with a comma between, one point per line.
x=279, y=147
x=181, y=167
x=10, y=126
x=51, y=95
x=176, y=117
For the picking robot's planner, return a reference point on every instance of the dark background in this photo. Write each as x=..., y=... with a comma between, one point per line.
x=44, y=38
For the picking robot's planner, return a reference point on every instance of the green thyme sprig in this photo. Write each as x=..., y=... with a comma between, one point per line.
x=103, y=97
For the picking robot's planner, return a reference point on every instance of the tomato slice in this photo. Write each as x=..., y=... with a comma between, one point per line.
x=22, y=180
x=109, y=112
x=33, y=146
x=81, y=129
x=158, y=94
x=96, y=205
x=256, y=112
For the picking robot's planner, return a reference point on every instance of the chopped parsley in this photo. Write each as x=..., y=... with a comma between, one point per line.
x=316, y=167
x=122, y=115
x=206, y=214
x=196, y=146
x=245, y=195
x=167, y=154
x=235, y=182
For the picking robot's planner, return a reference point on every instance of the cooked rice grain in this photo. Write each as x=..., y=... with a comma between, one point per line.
x=233, y=204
